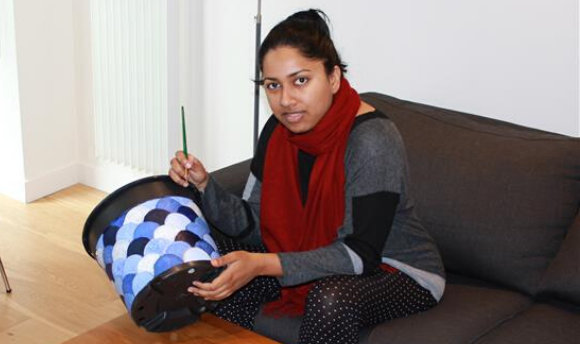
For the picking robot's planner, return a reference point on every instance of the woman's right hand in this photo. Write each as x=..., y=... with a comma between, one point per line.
x=185, y=170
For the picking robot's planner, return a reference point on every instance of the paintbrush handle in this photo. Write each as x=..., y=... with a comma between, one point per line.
x=183, y=133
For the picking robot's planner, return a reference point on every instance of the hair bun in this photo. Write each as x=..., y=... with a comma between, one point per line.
x=313, y=16
x=308, y=31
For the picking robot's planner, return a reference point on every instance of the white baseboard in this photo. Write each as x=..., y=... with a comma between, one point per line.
x=50, y=182
x=107, y=176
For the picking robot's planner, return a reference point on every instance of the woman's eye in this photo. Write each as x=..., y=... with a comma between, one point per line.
x=272, y=86
x=301, y=80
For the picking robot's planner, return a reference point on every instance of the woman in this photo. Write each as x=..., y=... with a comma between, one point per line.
x=328, y=199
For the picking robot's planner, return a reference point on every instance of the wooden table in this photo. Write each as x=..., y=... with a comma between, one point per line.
x=209, y=330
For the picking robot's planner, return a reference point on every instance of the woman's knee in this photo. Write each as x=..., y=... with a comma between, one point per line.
x=334, y=295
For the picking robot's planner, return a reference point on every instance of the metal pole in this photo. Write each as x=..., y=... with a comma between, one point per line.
x=4, y=277
x=257, y=75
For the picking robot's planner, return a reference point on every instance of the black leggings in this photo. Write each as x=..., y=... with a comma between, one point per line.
x=337, y=307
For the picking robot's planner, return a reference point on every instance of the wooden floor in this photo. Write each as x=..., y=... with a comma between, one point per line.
x=58, y=291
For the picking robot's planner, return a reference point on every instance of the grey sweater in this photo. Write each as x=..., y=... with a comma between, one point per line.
x=375, y=164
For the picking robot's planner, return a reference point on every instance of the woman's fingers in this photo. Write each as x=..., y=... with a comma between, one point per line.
x=185, y=170
x=209, y=291
x=177, y=173
x=177, y=178
x=177, y=164
x=218, y=289
x=185, y=161
x=242, y=267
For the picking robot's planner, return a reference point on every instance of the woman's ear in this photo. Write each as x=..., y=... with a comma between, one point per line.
x=334, y=79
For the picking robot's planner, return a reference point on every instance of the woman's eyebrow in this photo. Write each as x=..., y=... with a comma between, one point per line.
x=298, y=72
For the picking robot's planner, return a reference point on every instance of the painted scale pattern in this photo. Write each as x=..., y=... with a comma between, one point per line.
x=151, y=238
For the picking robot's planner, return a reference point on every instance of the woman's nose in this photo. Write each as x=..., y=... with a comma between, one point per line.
x=286, y=97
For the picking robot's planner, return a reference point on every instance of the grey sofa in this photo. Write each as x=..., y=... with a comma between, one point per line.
x=502, y=203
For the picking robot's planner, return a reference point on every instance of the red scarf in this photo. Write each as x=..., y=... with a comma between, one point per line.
x=286, y=224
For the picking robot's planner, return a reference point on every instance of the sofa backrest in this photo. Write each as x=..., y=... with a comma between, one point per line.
x=233, y=178
x=562, y=279
x=497, y=198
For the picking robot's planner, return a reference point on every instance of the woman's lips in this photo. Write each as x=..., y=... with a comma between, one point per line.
x=293, y=117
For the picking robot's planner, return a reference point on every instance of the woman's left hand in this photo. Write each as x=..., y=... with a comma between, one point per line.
x=242, y=267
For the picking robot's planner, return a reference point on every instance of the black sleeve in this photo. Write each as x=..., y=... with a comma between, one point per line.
x=375, y=170
x=257, y=165
x=372, y=218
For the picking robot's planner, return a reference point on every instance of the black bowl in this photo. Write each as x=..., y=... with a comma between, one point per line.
x=164, y=303
x=127, y=197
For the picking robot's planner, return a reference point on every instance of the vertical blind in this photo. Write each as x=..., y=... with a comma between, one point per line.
x=129, y=58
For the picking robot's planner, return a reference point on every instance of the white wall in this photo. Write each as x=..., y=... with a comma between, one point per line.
x=514, y=60
x=228, y=71
x=45, y=53
x=191, y=73
x=12, y=171
x=192, y=90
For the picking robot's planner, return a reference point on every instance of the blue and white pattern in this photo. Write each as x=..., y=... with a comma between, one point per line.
x=151, y=238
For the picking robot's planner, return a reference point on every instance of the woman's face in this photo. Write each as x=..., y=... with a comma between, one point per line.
x=298, y=88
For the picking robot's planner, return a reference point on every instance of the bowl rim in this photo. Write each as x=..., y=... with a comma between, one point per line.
x=126, y=197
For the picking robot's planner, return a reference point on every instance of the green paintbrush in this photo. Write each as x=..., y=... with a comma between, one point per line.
x=183, y=133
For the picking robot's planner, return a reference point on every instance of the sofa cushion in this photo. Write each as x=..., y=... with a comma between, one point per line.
x=562, y=279
x=541, y=323
x=281, y=329
x=464, y=314
x=497, y=197
x=286, y=329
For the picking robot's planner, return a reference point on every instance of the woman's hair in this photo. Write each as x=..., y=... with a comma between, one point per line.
x=308, y=32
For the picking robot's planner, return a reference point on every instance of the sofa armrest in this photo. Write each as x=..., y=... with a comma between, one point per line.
x=233, y=178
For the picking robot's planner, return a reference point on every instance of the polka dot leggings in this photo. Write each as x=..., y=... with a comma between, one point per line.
x=337, y=307
x=242, y=306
